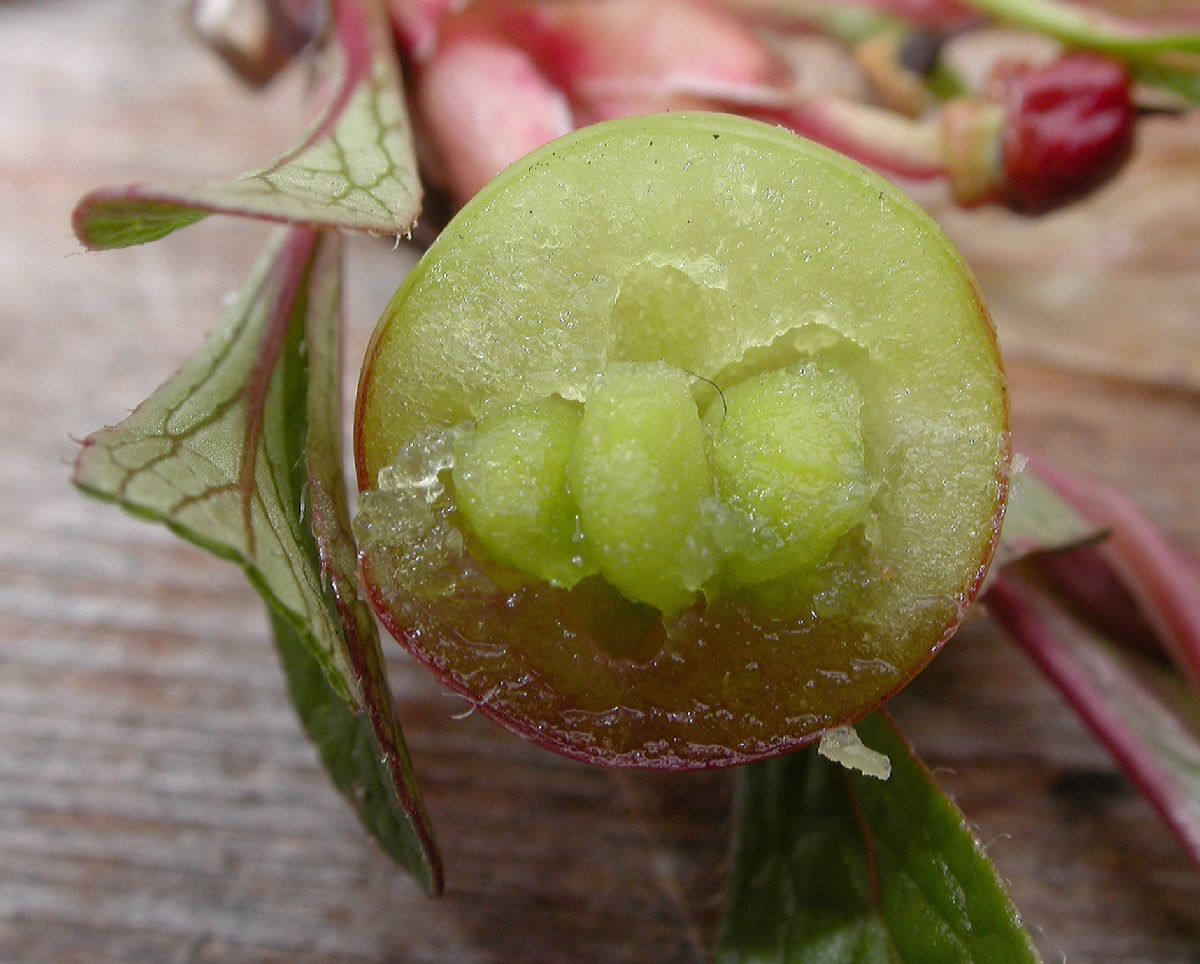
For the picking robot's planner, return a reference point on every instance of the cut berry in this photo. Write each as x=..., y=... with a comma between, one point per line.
x=788, y=474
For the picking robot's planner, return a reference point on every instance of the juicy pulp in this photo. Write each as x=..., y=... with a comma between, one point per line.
x=640, y=478
x=787, y=452
x=510, y=483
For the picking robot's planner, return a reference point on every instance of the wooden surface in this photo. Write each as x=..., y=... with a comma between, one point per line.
x=157, y=799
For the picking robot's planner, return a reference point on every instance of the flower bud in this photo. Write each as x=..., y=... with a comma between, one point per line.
x=486, y=105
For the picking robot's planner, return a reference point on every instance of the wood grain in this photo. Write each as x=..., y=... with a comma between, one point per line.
x=157, y=799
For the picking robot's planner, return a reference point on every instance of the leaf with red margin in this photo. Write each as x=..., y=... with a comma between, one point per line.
x=351, y=750
x=231, y=453
x=355, y=168
x=1133, y=704
x=1097, y=622
x=1038, y=519
x=1160, y=579
x=834, y=866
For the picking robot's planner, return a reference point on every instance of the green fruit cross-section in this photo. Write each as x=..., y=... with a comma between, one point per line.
x=726, y=372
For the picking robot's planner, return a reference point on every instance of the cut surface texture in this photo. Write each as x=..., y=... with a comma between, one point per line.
x=727, y=438
x=640, y=478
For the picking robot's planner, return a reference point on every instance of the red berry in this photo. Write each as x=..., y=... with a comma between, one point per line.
x=1070, y=125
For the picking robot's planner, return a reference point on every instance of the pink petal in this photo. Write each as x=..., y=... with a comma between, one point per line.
x=486, y=105
x=605, y=49
x=416, y=23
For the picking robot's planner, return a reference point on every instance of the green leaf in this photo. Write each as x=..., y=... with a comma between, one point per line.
x=832, y=866
x=231, y=453
x=349, y=747
x=355, y=167
x=353, y=749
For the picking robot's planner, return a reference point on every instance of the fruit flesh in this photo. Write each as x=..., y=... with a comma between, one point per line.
x=787, y=451
x=779, y=255
x=510, y=483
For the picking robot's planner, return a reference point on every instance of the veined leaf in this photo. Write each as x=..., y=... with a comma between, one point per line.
x=832, y=866
x=217, y=452
x=230, y=453
x=355, y=167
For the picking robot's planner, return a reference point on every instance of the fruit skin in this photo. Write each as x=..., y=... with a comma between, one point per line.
x=693, y=756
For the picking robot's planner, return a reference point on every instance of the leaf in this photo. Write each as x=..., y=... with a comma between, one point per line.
x=1158, y=577
x=355, y=167
x=831, y=866
x=230, y=453
x=1141, y=711
x=390, y=806
x=1039, y=520
x=216, y=453
x=349, y=748
x=1183, y=83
